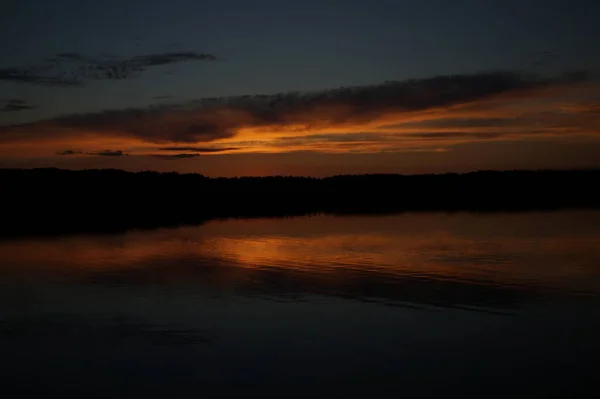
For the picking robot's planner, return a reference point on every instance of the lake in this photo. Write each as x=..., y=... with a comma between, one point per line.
x=414, y=304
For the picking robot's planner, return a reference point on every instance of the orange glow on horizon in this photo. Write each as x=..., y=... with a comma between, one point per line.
x=525, y=115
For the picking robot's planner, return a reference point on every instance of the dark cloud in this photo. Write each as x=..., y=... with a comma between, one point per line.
x=16, y=105
x=108, y=153
x=197, y=149
x=119, y=153
x=460, y=123
x=69, y=152
x=103, y=153
x=67, y=56
x=154, y=124
x=210, y=119
x=162, y=97
x=170, y=58
x=176, y=156
x=72, y=69
x=38, y=75
x=529, y=122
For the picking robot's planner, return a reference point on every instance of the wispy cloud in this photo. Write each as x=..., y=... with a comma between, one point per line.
x=409, y=114
x=73, y=69
x=108, y=153
x=176, y=156
x=197, y=149
x=14, y=105
x=102, y=153
x=196, y=152
x=69, y=152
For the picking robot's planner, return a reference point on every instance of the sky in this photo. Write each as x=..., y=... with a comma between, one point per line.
x=315, y=88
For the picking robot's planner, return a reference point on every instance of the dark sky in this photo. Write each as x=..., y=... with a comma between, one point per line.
x=64, y=63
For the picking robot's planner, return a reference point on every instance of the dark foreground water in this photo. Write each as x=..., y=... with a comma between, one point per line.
x=481, y=305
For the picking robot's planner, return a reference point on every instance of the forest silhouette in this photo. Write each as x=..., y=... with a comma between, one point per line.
x=57, y=201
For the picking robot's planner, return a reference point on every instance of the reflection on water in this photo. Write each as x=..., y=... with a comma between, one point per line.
x=346, y=301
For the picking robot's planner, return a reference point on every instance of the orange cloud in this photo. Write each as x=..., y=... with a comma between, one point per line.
x=415, y=115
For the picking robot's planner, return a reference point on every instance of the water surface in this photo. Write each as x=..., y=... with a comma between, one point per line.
x=409, y=304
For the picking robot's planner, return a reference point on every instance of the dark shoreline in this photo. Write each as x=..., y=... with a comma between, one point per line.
x=50, y=202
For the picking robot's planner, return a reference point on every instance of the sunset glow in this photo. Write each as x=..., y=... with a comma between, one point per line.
x=410, y=105
x=564, y=112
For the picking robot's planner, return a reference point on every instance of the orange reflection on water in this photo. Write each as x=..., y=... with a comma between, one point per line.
x=544, y=249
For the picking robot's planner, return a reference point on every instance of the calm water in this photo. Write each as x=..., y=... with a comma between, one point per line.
x=403, y=305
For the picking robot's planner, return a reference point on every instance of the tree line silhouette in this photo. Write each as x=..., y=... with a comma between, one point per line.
x=54, y=201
